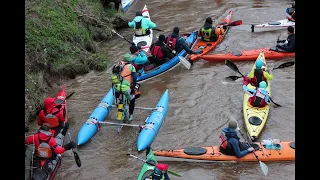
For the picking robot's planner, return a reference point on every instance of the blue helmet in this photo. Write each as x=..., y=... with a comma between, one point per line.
x=263, y=84
x=259, y=64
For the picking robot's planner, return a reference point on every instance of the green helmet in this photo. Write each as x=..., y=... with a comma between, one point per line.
x=263, y=84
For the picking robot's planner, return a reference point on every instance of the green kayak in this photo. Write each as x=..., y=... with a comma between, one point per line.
x=147, y=169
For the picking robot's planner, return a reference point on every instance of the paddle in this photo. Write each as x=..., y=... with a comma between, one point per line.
x=60, y=105
x=263, y=166
x=75, y=154
x=287, y=64
x=235, y=23
x=171, y=172
x=157, y=29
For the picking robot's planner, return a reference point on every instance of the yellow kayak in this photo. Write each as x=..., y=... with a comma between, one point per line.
x=255, y=118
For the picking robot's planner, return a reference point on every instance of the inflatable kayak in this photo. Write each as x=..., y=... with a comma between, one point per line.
x=206, y=47
x=147, y=74
x=90, y=127
x=283, y=151
x=38, y=171
x=153, y=123
x=276, y=25
x=247, y=55
x=255, y=118
x=147, y=169
x=125, y=4
x=144, y=41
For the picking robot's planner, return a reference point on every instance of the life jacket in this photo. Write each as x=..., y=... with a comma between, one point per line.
x=223, y=140
x=219, y=30
x=43, y=150
x=206, y=34
x=157, y=52
x=171, y=42
x=138, y=30
x=258, y=77
x=138, y=67
x=121, y=72
x=51, y=118
x=258, y=99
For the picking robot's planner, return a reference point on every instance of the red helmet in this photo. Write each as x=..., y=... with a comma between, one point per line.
x=162, y=167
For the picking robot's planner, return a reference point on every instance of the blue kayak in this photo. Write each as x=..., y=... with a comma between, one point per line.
x=169, y=64
x=125, y=4
x=153, y=123
x=90, y=127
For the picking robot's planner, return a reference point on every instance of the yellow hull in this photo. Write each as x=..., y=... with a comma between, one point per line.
x=253, y=114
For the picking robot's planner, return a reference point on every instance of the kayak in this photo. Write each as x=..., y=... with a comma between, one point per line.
x=283, y=151
x=144, y=41
x=276, y=25
x=206, y=47
x=248, y=55
x=125, y=4
x=38, y=172
x=255, y=118
x=153, y=123
x=147, y=74
x=91, y=127
x=147, y=169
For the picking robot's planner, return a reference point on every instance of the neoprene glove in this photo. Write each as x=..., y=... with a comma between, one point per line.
x=65, y=129
x=69, y=145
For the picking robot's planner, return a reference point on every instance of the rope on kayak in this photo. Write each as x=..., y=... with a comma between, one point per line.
x=95, y=122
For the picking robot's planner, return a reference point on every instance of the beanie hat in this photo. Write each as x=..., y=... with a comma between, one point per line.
x=162, y=38
x=290, y=29
x=176, y=29
x=233, y=125
x=138, y=13
x=133, y=49
x=209, y=20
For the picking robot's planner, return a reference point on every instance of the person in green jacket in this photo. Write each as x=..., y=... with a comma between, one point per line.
x=141, y=25
x=207, y=32
x=258, y=74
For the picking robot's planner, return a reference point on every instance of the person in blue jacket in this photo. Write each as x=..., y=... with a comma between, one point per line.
x=141, y=25
x=290, y=46
x=177, y=43
x=136, y=57
x=230, y=144
x=258, y=97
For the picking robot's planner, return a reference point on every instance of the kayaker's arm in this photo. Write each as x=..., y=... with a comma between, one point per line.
x=249, y=91
x=185, y=46
x=236, y=148
x=267, y=75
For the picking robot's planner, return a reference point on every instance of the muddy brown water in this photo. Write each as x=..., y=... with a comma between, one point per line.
x=201, y=101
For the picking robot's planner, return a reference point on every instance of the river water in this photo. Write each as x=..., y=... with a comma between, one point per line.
x=201, y=101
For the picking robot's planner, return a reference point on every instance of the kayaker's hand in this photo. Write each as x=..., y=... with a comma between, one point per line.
x=70, y=145
x=251, y=149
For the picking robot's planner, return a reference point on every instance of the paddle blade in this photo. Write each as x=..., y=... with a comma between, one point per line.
x=77, y=159
x=185, y=62
x=173, y=173
x=157, y=29
x=287, y=64
x=233, y=77
x=264, y=168
x=231, y=65
x=235, y=23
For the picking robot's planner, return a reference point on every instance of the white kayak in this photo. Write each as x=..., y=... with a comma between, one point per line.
x=125, y=4
x=144, y=41
x=276, y=25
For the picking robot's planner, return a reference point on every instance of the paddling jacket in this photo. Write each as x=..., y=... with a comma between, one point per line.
x=140, y=25
x=48, y=144
x=233, y=144
x=291, y=45
x=207, y=32
x=258, y=75
x=258, y=98
x=138, y=61
x=160, y=51
x=50, y=114
x=290, y=11
x=178, y=43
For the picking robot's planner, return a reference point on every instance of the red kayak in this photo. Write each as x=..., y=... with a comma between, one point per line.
x=248, y=55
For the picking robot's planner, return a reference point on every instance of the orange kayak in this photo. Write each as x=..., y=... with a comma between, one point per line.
x=206, y=47
x=283, y=151
x=248, y=55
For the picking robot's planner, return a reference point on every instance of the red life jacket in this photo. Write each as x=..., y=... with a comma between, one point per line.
x=223, y=140
x=171, y=42
x=157, y=52
x=51, y=118
x=258, y=99
x=137, y=67
x=43, y=149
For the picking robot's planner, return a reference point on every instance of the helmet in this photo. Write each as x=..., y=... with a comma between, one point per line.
x=263, y=84
x=259, y=64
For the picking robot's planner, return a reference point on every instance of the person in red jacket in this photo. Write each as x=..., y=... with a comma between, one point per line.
x=46, y=145
x=51, y=115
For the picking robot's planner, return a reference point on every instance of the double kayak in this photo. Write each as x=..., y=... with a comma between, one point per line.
x=91, y=126
x=276, y=25
x=37, y=170
x=283, y=151
x=153, y=123
x=255, y=118
x=247, y=55
x=144, y=41
x=147, y=74
x=147, y=169
x=125, y=4
x=206, y=47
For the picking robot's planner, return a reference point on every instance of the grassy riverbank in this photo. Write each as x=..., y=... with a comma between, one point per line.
x=61, y=42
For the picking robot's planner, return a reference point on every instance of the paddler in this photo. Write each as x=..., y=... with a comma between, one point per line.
x=160, y=53
x=208, y=32
x=290, y=42
x=141, y=25
x=257, y=75
x=159, y=171
x=258, y=97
